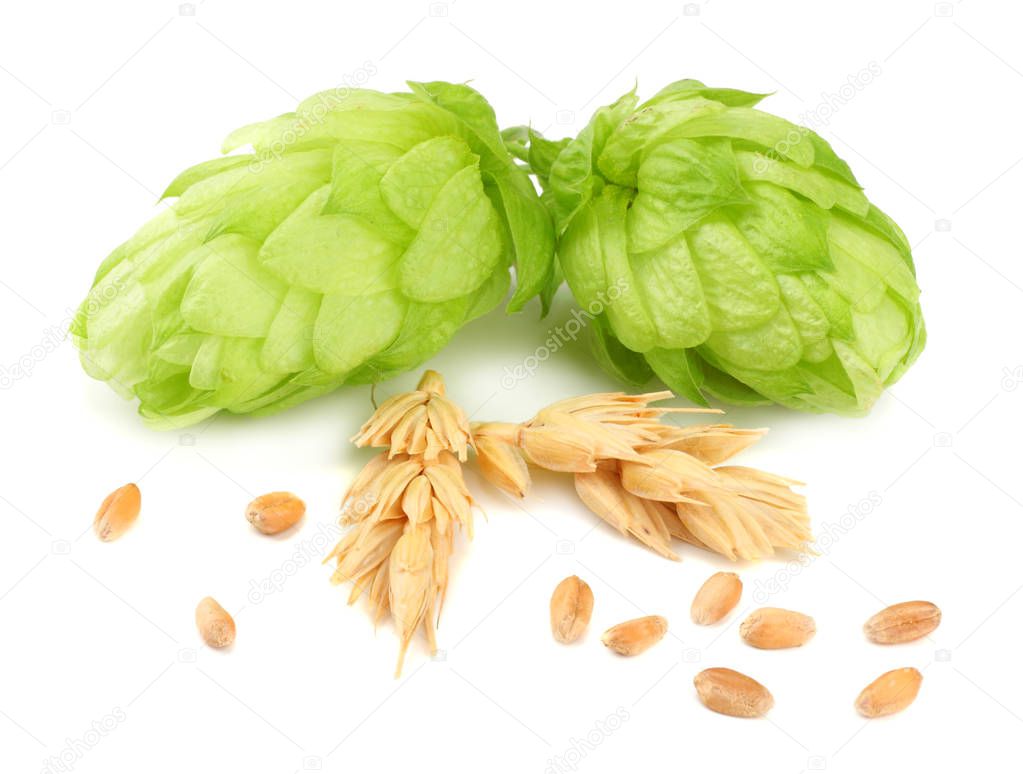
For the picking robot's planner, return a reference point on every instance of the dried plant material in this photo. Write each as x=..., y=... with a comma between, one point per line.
x=651, y=479
x=716, y=598
x=117, y=513
x=732, y=693
x=410, y=584
x=623, y=411
x=602, y=492
x=904, y=622
x=379, y=495
x=890, y=693
x=404, y=507
x=669, y=515
x=668, y=476
x=574, y=435
x=373, y=543
x=772, y=628
x=710, y=444
x=423, y=422
x=631, y=638
x=275, y=512
x=571, y=608
x=739, y=526
x=417, y=500
x=443, y=544
x=558, y=448
x=216, y=626
x=501, y=463
x=450, y=491
x=504, y=432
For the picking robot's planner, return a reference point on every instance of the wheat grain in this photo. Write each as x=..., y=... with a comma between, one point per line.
x=650, y=479
x=410, y=585
x=117, y=513
x=904, y=622
x=215, y=624
x=275, y=512
x=716, y=598
x=668, y=476
x=374, y=543
x=402, y=506
x=417, y=500
x=890, y=693
x=732, y=693
x=571, y=608
x=711, y=444
x=502, y=465
x=772, y=628
x=423, y=422
x=630, y=638
x=602, y=492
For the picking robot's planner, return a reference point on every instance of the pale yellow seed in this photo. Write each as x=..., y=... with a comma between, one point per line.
x=736, y=511
x=411, y=586
x=117, y=513
x=772, y=628
x=571, y=608
x=630, y=638
x=431, y=381
x=502, y=465
x=669, y=476
x=716, y=598
x=890, y=693
x=403, y=504
x=560, y=449
x=215, y=624
x=712, y=444
x=372, y=544
x=416, y=501
x=275, y=512
x=732, y=693
x=378, y=429
x=904, y=622
x=602, y=492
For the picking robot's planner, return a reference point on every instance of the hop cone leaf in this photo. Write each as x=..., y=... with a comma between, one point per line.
x=731, y=253
x=360, y=232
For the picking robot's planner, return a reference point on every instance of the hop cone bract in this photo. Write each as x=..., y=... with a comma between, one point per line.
x=353, y=241
x=730, y=252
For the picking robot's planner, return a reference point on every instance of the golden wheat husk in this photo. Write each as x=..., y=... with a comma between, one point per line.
x=603, y=493
x=652, y=479
x=422, y=422
x=502, y=465
x=402, y=507
x=410, y=584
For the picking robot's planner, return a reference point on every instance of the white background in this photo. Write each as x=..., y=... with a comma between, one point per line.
x=104, y=102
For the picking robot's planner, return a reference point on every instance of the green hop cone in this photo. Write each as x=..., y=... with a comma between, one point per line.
x=353, y=241
x=731, y=253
